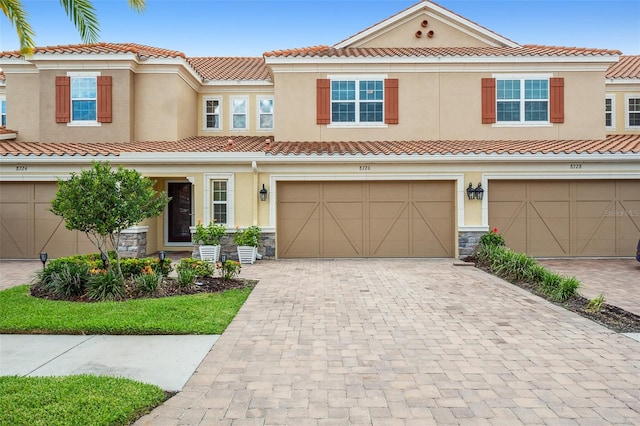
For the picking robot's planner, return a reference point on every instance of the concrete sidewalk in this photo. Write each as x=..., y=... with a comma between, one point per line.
x=165, y=361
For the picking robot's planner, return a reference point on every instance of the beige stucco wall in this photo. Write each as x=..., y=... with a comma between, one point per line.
x=438, y=106
x=119, y=130
x=23, y=96
x=404, y=34
x=165, y=108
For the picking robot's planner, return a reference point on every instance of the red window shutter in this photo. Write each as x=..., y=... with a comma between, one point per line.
x=63, y=99
x=104, y=99
x=323, y=101
x=556, y=100
x=488, y=100
x=391, y=115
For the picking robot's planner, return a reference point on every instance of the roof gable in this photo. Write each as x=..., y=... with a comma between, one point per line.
x=426, y=24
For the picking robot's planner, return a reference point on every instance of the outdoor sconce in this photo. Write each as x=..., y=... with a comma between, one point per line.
x=263, y=193
x=475, y=193
x=43, y=258
x=104, y=258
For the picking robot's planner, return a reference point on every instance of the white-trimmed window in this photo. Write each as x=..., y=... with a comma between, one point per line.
x=632, y=113
x=522, y=100
x=357, y=101
x=239, y=116
x=609, y=112
x=3, y=111
x=219, y=198
x=84, y=97
x=265, y=112
x=212, y=119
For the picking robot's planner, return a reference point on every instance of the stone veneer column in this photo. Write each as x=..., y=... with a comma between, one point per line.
x=468, y=242
x=133, y=242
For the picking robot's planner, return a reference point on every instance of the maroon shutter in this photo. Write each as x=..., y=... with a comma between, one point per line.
x=391, y=115
x=556, y=100
x=488, y=100
x=104, y=99
x=323, y=101
x=63, y=99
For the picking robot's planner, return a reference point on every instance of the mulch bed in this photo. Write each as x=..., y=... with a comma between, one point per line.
x=612, y=317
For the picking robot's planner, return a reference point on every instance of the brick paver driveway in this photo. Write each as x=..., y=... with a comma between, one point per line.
x=369, y=342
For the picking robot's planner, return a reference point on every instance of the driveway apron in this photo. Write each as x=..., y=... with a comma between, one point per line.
x=405, y=341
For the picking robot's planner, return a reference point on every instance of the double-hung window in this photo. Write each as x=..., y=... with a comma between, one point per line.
x=239, y=116
x=219, y=198
x=265, y=113
x=212, y=113
x=84, y=98
x=522, y=100
x=609, y=107
x=3, y=112
x=357, y=101
x=633, y=111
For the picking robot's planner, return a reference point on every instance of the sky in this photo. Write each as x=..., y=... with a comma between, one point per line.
x=252, y=27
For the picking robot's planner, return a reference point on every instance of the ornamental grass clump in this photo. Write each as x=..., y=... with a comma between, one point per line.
x=520, y=268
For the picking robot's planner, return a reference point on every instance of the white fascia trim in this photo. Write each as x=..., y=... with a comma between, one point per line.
x=622, y=81
x=6, y=136
x=457, y=177
x=237, y=83
x=417, y=8
x=33, y=178
x=606, y=61
x=556, y=176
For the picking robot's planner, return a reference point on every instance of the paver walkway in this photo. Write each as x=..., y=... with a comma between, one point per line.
x=386, y=342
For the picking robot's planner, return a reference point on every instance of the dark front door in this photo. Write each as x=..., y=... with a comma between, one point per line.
x=179, y=212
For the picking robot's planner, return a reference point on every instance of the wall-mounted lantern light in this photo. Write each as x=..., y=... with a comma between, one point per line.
x=476, y=193
x=263, y=193
x=43, y=258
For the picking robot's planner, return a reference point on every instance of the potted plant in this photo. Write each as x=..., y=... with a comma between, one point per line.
x=208, y=238
x=247, y=242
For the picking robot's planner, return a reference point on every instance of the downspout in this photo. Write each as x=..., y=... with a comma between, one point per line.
x=254, y=205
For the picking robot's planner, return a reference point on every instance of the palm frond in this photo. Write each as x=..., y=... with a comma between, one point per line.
x=83, y=15
x=14, y=12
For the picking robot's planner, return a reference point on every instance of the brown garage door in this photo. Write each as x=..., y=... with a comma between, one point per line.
x=27, y=227
x=567, y=218
x=365, y=219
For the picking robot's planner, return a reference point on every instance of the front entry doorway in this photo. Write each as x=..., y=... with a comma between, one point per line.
x=179, y=212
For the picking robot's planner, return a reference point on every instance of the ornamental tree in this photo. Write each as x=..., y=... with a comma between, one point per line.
x=102, y=202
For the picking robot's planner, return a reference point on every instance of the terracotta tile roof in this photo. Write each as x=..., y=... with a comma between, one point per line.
x=613, y=144
x=101, y=48
x=225, y=68
x=527, y=50
x=626, y=67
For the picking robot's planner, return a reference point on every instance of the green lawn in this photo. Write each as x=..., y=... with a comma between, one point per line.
x=74, y=400
x=205, y=313
x=99, y=400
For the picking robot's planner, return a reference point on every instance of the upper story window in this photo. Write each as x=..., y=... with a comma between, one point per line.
x=3, y=111
x=357, y=101
x=523, y=100
x=83, y=99
x=633, y=111
x=609, y=112
x=265, y=113
x=239, y=117
x=366, y=101
x=212, y=113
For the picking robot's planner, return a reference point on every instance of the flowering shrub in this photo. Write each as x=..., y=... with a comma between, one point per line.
x=148, y=281
x=492, y=238
x=209, y=235
x=201, y=268
x=229, y=269
x=247, y=237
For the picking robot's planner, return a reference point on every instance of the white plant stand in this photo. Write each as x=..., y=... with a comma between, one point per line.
x=210, y=253
x=247, y=254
